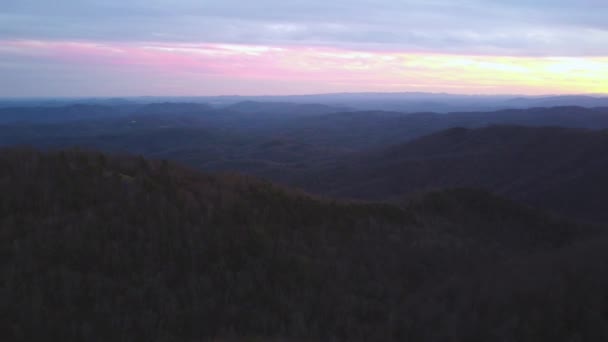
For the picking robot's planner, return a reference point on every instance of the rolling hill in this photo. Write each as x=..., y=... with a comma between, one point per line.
x=557, y=169
x=104, y=248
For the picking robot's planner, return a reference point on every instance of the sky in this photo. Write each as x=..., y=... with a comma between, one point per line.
x=75, y=48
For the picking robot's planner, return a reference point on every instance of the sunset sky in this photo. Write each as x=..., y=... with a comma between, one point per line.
x=265, y=47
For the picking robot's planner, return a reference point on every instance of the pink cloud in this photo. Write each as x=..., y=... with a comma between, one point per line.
x=327, y=69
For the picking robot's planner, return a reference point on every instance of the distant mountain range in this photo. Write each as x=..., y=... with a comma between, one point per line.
x=404, y=102
x=379, y=155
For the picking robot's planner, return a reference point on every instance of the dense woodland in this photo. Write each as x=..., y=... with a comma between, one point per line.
x=117, y=248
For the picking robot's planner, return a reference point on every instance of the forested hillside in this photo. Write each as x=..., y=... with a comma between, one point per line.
x=553, y=168
x=103, y=248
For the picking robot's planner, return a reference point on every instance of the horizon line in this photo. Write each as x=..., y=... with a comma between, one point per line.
x=40, y=97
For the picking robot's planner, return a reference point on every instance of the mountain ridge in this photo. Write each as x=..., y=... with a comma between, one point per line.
x=544, y=167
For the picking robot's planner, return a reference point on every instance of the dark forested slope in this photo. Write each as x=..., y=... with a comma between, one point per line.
x=373, y=129
x=102, y=248
x=558, y=169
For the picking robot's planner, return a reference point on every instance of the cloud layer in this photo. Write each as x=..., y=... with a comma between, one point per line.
x=511, y=27
x=191, y=47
